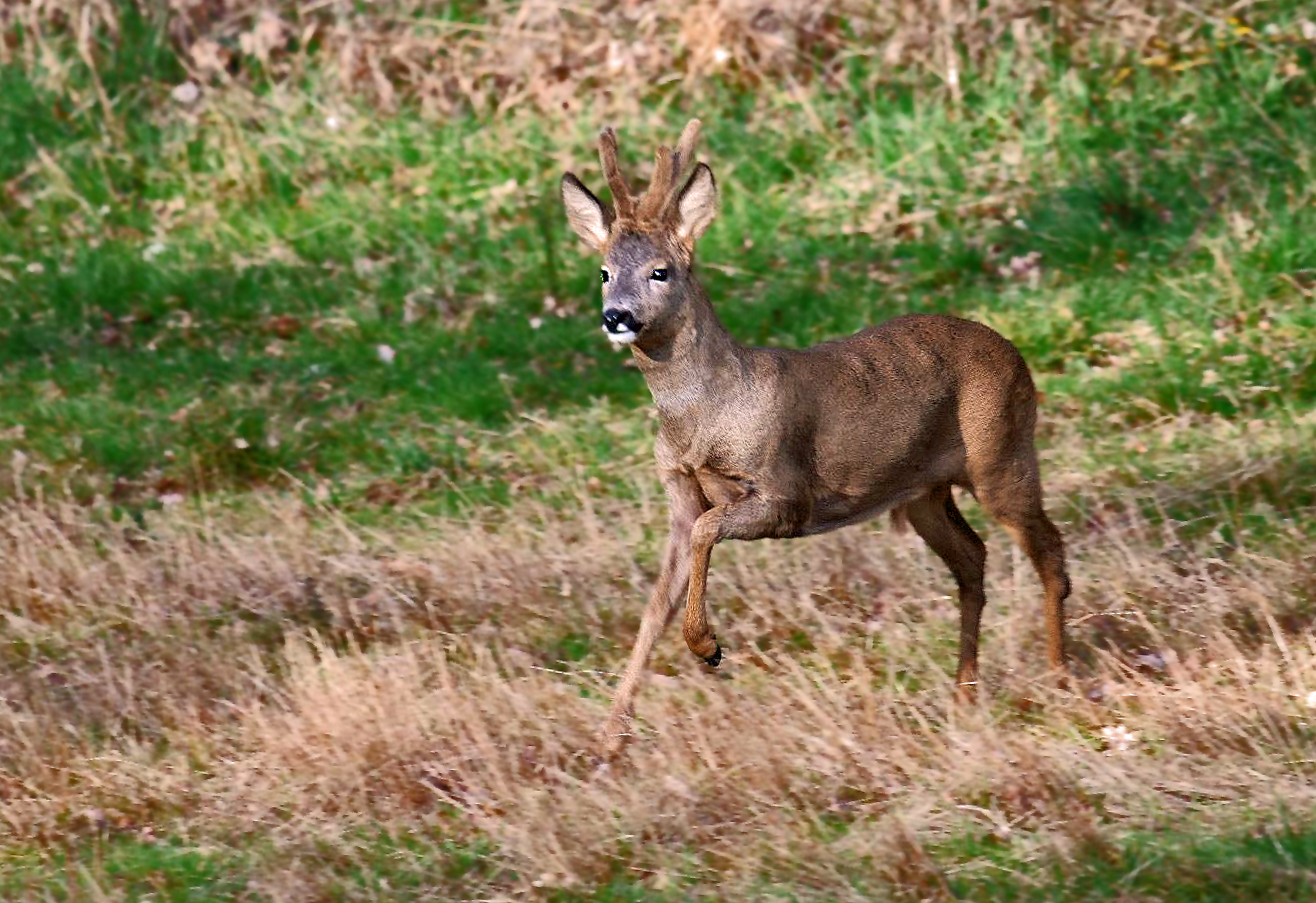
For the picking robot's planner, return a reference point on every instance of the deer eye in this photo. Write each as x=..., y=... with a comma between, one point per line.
x=603, y=275
x=658, y=275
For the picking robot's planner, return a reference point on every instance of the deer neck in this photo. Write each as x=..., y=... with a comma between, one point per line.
x=694, y=367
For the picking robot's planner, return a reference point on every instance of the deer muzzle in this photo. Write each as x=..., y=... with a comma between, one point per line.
x=621, y=326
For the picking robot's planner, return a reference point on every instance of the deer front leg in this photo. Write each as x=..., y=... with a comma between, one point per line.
x=752, y=517
x=686, y=503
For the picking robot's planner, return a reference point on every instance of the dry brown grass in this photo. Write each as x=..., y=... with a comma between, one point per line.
x=493, y=56
x=286, y=675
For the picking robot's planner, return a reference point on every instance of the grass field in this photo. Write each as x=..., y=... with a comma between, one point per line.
x=327, y=515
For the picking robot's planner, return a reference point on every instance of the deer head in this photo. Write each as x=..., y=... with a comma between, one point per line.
x=647, y=242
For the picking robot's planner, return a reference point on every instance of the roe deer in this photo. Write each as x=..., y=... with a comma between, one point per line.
x=771, y=442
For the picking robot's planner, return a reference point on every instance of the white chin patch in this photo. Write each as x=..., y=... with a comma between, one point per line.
x=625, y=337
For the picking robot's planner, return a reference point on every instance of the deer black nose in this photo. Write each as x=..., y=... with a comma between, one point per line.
x=616, y=320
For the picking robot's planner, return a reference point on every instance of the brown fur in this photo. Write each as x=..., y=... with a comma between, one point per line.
x=769, y=442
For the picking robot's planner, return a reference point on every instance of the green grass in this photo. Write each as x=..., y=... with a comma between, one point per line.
x=1179, y=201
x=1275, y=863
x=163, y=870
x=1173, y=868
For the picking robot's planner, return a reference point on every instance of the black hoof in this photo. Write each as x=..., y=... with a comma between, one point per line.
x=715, y=659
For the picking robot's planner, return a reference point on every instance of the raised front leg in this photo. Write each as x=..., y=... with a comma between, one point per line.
x=686, y=503
x=752, y=517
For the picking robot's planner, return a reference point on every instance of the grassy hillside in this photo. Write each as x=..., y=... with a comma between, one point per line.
x=326, y=514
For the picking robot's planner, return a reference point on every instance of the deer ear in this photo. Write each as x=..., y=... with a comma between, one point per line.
x=697, y=204
x=586, y=213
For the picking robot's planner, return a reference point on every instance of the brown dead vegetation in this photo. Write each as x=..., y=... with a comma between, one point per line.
x=286, y=674
x=492, y=56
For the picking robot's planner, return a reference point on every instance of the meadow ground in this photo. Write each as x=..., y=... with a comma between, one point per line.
x=327, y=515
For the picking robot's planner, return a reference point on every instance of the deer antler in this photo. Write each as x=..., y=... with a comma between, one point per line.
x=668, y=168
x=622, y=201
x=685, y=149
x=680, y=162
x=660, y=186
x=657, y=202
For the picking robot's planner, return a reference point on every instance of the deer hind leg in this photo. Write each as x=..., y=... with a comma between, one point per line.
x=938, y=521
x=1016, y=502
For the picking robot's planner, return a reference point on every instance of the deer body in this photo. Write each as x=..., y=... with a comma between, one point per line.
x=771, y=443
x=887, y=424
